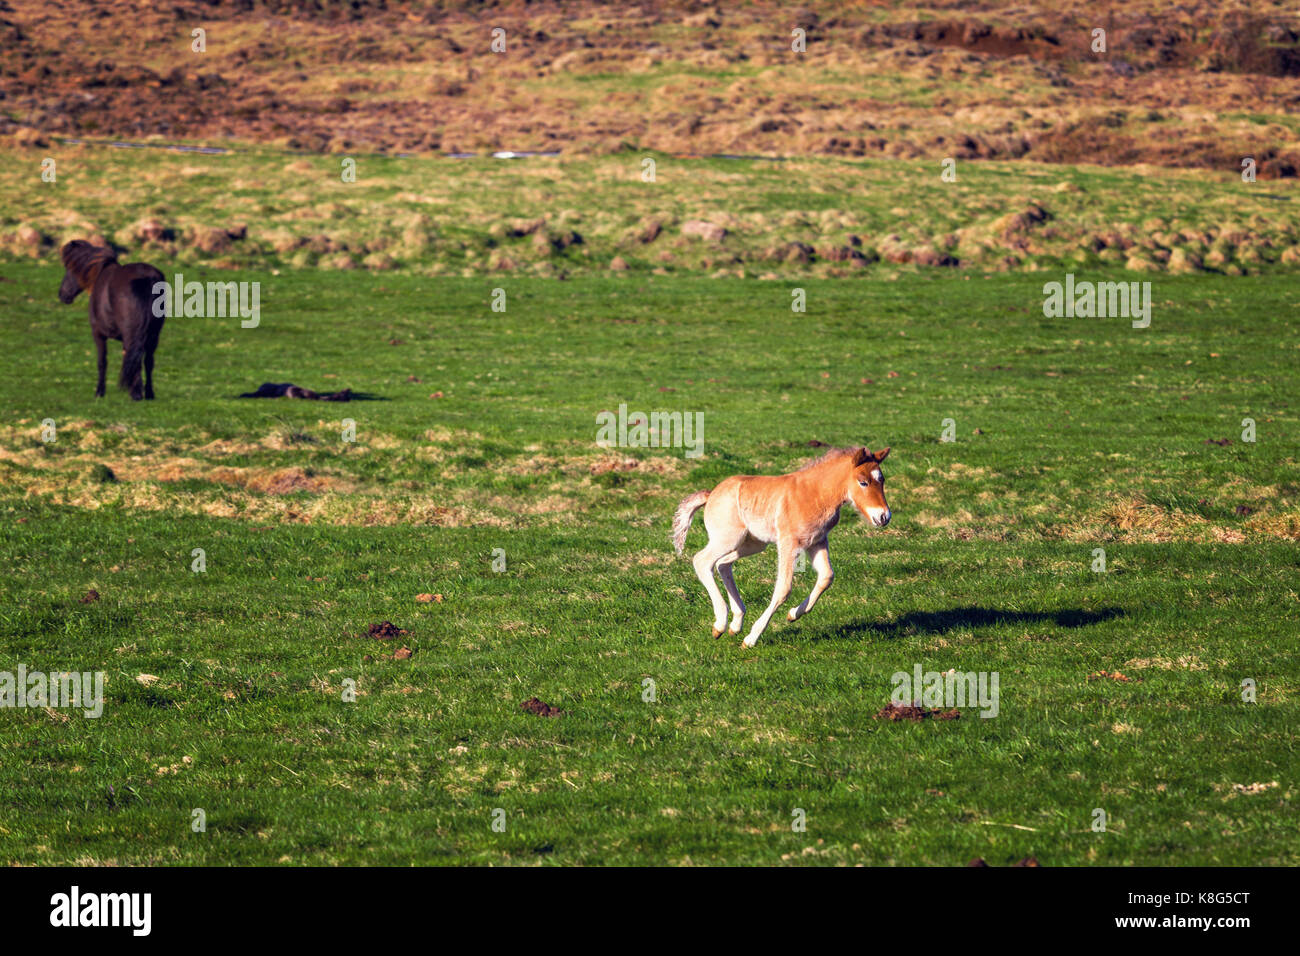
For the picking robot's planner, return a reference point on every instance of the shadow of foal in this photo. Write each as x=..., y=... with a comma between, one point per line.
x=121, y=307
x=963, y=618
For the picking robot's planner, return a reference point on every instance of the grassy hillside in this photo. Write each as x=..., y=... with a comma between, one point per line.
x=570, y=216
x=1188, y=86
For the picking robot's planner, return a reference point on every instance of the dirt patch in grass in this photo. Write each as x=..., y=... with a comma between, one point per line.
x=1135, y=519
x=577, y=465
x=1115, y=676
x=916, y=713
x=181, y=481
x=658, y=465
x=1148, y=519
x=278, y=481
x=535, y=706
x=550, y=505
x=1286, y=525
x=385, y=631
x=1186, y=662
x=277, y=505
x=641, y=559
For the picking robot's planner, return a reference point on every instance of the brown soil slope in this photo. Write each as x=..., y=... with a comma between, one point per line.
x=1186, y=84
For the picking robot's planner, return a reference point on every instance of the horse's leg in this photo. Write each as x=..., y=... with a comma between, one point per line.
x=821, y=560
x=151, y=346
x=749, y=546
x=733, y=596
x=704, y=562
x=101, y=344
x=785, y=551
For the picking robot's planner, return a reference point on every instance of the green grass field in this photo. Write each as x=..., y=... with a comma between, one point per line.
x=225, y=689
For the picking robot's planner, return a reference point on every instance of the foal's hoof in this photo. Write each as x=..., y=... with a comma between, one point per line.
x=717, y=633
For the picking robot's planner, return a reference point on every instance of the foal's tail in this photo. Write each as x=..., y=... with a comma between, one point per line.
x=682, y=518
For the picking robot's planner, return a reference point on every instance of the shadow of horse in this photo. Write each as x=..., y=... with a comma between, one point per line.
x=965, y=618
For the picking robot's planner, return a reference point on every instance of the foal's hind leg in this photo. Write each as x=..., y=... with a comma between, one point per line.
x=101, y=344
x=733, y=596
x=704, y=562
x=750, y=545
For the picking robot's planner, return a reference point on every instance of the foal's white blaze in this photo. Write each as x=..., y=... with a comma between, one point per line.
x=879, y=516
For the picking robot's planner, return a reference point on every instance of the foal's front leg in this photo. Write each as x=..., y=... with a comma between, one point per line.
x=785, y=551
x=820, y=553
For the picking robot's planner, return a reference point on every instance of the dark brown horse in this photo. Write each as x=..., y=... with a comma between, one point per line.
x=121, y=307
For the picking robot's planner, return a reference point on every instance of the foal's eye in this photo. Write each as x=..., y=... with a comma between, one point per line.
x=862, y=483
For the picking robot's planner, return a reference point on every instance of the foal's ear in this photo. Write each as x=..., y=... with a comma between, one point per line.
x=882, y=455
x=861, y=456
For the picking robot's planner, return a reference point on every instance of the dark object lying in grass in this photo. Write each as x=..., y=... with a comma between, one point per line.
x=1027, y=861
x=916, y=712
x=289, y=390
x=534, y=706
x=386, y=631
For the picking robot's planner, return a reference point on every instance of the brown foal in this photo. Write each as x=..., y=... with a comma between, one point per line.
x=745, y=513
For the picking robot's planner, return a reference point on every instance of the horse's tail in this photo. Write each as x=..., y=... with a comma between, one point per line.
x=683, y=516
x=140, y=327
x=132, y=360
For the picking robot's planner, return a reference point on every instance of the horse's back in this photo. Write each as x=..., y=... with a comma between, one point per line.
x=140, y=278
x=750, y=500
x=140, y=269
x=123, y=299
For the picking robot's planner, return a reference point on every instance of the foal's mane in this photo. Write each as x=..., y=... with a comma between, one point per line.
x=81, y=258
x=833, y=455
